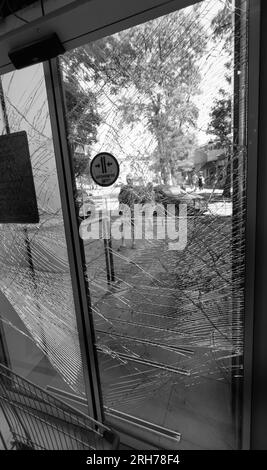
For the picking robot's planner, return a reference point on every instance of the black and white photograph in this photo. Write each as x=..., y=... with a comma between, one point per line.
x=133, y=231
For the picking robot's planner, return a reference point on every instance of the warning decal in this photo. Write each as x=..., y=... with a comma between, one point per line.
x=104, y=169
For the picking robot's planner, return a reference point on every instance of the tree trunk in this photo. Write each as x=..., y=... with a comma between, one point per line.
x=227, y=183
x=164, y=167
x=163, y=171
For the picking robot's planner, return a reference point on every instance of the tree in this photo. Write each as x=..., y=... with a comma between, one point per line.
x=81, y=165
x=152, y=69
x=163, y=79
x=82, y=115
x=222, y=25
x=220, y=124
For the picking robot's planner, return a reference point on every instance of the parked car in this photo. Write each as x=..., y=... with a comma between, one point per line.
x=165, y=195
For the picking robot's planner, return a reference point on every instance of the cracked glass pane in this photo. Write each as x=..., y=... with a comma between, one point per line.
x=164, y=244
x=38, y=334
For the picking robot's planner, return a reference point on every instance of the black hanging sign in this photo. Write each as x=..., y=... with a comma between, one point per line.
x=18, y=204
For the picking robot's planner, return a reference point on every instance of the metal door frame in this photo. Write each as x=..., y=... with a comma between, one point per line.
x=74, y=243
x=251, y=212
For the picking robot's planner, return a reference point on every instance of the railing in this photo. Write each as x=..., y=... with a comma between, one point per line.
x=37, y=420
x=131, y=428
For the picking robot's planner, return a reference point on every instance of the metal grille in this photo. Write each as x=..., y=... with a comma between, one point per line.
x=39, y=421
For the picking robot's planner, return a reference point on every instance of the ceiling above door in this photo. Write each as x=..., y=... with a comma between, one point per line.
x=74, y=21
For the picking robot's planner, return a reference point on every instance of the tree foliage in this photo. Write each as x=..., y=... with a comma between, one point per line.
x=221, y=113
x=82, y=115
x=222, y=26
x=220, y=124
x=163, y=78
x=153, y=72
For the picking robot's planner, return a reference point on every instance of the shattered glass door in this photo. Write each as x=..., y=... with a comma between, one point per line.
x=38, y=331
x=164, y=244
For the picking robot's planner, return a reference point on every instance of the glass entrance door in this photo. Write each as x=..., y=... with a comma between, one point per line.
x=164, y=245
x=128, y=299
x=39, y=333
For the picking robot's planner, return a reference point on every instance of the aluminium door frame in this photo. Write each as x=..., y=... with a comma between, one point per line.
x=251, y=241
x=259, y=347
x=81, y=293
x=62, y=154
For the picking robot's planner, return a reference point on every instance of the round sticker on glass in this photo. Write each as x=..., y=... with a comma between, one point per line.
x=104, y=169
